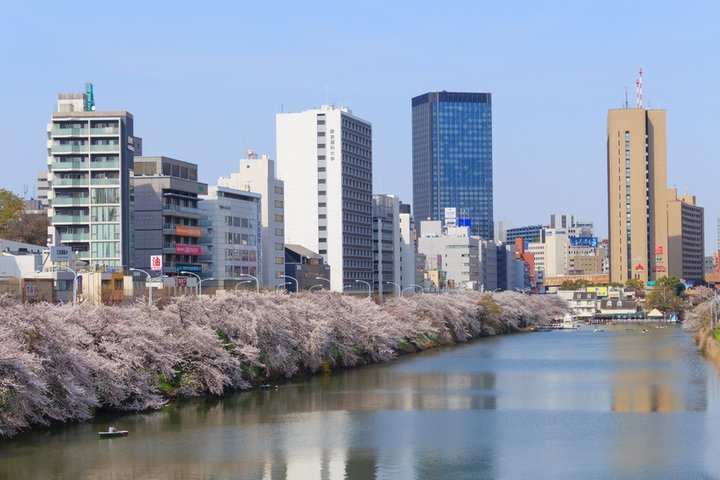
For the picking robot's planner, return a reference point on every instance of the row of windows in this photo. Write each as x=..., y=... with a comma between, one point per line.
x=358, y=127
x=236, y=271
x=241, y=255
x=349, y=182
x=358, y=162
x=346, y=135
x=241, y=222
x=367, y=175
x=232, y=238
x=357, y=150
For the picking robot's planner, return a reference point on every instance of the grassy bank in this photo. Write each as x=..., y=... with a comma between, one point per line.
x=63, y=363
x=706, y=338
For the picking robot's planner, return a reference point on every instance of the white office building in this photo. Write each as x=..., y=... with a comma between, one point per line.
x=456, y=250
x=231, y=247
x=257, y=174
x=408, y=266
x=325, y=159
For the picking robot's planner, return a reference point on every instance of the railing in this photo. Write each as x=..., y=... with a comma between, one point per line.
x=105, y=164
x=70, y=182
x=178, y=208
x=69, y=148
x=70, y=219
x=105, y=181
x=105, y=148
x=69, y=165
x=104, y=131
x=70, y=201
x=74, y=237
x=69, y=132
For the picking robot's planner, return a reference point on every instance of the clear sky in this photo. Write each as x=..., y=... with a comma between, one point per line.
x=205, y=79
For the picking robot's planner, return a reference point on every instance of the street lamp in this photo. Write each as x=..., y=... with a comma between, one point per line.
x=277, y=288
x=240, y=283
x=317, y=285
x=402, y=294
x=368, y=285
x=200, y=284
x=297, y=285
x=198, y=277
x=74, y=300
x=149, y=282
x=325, y=280
x=422, y=290
x=257, y=282
x=398, y=287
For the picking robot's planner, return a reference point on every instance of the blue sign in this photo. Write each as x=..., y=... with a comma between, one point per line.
x=464, y=222
x=188, y=267
x=584, y=242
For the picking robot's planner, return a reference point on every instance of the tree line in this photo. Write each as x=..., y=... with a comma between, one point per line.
x=63, y=363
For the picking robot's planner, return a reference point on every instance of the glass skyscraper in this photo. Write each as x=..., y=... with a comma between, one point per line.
x=452, y=158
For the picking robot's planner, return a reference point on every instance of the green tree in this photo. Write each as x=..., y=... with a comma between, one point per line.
x=11, y=208
x=667, y=295
x=635, y=284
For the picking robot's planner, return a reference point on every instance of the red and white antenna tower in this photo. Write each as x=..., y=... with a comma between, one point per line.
x=638, y=91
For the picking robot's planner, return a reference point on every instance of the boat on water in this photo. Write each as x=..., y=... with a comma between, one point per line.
x=567, y=322
x=113, y=434
x=598, y=330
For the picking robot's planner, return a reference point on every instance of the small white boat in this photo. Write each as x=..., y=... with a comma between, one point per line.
x=113, y=434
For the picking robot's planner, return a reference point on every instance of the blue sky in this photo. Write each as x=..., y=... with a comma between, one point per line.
x=205, y=79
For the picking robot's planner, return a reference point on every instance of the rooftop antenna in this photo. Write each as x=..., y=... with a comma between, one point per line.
x=638, y=85
x=626, y=98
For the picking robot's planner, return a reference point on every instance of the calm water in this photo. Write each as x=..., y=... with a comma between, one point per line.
x=560, y=405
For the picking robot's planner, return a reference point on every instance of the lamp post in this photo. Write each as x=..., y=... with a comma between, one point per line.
x=240, y=283
x=200, y=284
x=398, y=287
x=149, y=280
x=317, y=285
x=422, y=290
x=277, y=288
x=297, y=285
x=368, y=285
x=402, y=294
x=325, y=280
x=74, y=299
x=257, y=282
x=197, y=291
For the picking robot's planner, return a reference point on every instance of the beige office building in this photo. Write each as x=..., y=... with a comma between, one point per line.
x=686, y=237
x=637, y=188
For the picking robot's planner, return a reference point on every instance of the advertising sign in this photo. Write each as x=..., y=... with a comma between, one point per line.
x=156, y=263
x=61, y=253
x=584, y=242
x=188, y=249
x=450, y=213
x=185, y=231
x=181, y=281
x=659, y=250
x=188, y=267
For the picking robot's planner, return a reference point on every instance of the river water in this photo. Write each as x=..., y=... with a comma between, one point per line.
x=561, y=405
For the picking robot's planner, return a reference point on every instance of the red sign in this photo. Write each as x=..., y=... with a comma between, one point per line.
x=181, y=281
x=639, y=267
x=660, y=269
x=659, y=250
x=156, y=263
x=188, y=249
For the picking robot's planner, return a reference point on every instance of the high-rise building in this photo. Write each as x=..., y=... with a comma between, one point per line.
x=637, y=187
x=686, y=237
x=386, y=244
x=452, y=158
x=324, y=157
x=167, y=217
x=408, y=270
x=257, y=174
x=90, y=160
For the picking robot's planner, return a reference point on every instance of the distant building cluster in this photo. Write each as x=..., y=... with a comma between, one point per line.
x=122, y=222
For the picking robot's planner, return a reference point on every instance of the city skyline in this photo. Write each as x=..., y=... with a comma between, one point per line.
x=553, y=76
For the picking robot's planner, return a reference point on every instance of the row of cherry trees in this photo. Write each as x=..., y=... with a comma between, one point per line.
x=61, y=363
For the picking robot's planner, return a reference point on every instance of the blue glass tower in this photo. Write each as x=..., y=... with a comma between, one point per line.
x=452, y=158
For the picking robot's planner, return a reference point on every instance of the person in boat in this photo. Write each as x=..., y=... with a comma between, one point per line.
x=112, y=429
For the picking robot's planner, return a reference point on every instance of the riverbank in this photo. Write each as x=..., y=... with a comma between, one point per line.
x=706, y=339
x=63, y=363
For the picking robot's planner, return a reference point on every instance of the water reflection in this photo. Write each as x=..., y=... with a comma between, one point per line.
x=582, y=405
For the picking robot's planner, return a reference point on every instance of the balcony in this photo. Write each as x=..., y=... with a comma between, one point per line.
x=82, y=165
x=105, y=181
x=105, y=131
x=74, y=237
x=57, y=148
x=69, y=132
x=56, y=219
x=114, y=148
x=70, y=201
x=69, y=182
x=187, y=211
x=106, y=164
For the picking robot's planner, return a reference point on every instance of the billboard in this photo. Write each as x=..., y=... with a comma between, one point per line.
x=188, y=249
x=584, y=242
x=599, y=291
x=156, y=263
x=185, y=231
x=61, y=253
x=188, y=267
